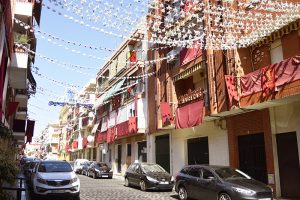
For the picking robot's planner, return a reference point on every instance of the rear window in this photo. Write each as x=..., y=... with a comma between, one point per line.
x=55, y=167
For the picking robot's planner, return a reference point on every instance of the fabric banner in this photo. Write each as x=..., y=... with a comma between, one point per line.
x=12, y=108
x=132, y=124
x=122, y=129
x=287, y=71
x=19, y=125
x=231, y=88
x=251, y=83
x=268, y=80
x=84, y=142
x=29, y=130
x=189, y=115
x=110, y=135
x=166, y=116
x=75, y=144
x=101, y=137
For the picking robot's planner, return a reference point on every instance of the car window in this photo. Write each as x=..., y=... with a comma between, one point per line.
x=206, y=174
x=137, y=169
x=184, y=170
x=228, y=172
x=131, y=167
x=152, y=168
x=195, y=172
x=55, y=167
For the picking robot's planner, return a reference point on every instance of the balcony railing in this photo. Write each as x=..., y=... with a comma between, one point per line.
x=24, y=7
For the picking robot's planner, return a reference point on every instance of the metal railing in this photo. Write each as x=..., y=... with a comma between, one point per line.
x=18, y=187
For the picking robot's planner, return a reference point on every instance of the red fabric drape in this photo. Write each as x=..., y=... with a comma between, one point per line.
x=75, y=144
x=231, y=88
x=189, y=115
x=101, y=137
x=166, y=116
x=285, y=72
x=110, y=135
x=84, y=142
x=122, y=129
x=29, y=130
x=132, y=57
x=132, y=124
x=67, y=148
x=12, y=108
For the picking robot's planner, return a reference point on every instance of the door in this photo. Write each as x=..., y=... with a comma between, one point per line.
x=288, y=161
x=119, y=158
x=207, y=185
x=162, y=151
x=252, y=156
x=198, y=151
x=142, y=151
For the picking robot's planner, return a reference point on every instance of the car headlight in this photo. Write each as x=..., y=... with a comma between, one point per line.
x=243, y=191
x=111, y=170
x=151, y=179
x=172, y=178
x=73, y=180
x=43, y=181
x=97, y=170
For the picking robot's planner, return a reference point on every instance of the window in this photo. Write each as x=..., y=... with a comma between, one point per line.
x=195, y=172
x=128, y=149
x=276, y=51
x=207, y=174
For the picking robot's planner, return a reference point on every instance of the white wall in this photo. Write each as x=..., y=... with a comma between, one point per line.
x=217, y=139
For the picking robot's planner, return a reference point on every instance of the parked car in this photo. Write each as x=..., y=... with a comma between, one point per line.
x=148, y=176
x=219, y=182
x=29, y=168
x=78, y=165
x=100, y=169
x=55, y=178
x=85, y=167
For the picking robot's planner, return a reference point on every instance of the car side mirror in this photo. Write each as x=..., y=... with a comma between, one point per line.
x=211, y=178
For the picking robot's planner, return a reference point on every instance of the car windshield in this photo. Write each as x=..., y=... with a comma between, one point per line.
x=152, y=168
x=229, y=173
x=55, y=167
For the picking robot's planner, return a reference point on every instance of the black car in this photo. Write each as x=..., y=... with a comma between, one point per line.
x=148, y=176
x=85, y=167
x=219, y=182
x=100, y=170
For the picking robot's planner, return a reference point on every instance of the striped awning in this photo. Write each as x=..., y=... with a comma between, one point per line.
x=189, y=71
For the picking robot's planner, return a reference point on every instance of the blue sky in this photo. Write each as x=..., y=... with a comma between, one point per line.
x=61, y=27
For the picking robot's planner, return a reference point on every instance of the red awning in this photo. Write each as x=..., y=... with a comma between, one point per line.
x=29, y=130
x=189, y=115
x=132, y=124
x=166, y=116
x=122, y=129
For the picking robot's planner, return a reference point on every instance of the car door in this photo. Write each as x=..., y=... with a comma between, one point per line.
x=129, y=173
x=207, y=185
x=136, y=175
x=192, y=182
x=91, y=169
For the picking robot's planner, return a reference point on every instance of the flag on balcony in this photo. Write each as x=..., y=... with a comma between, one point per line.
x=12, y=108
x=122, y=129
x=268, y=80
x=110, y=135
x=231, y=88
x=166, y=115
x=29, y=130
x=75, y=144
x=189, y=115
x=132, y=124
x=132, y=56
x=67, y=148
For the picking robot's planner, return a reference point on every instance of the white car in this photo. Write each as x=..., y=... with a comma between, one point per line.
x=78, y=164
x=55, y=178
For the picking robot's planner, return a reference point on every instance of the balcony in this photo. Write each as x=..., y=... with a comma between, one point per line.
x=21, y=97
x=19, y=129
x=18, y=69
x=24, y=8
x=21, y=113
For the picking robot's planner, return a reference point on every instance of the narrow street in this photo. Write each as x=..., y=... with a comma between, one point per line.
x=92, y=189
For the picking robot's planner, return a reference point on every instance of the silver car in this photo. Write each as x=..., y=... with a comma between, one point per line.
x=55, y=178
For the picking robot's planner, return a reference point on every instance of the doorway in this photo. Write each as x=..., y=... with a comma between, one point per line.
x=162, y=151
x=119, y=158
x=252, y=156
x=288, y=161
x=142, y=151
x=198, y=151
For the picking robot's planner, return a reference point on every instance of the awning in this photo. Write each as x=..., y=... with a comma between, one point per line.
x=189, y=71
x=29, y=130
x=114, y=89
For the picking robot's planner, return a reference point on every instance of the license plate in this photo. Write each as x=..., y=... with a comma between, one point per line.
x=58, y=191
x=104, y=176
x=265, y=199
x=164, y=182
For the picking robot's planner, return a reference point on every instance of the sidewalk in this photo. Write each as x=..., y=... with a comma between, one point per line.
x=118, y=176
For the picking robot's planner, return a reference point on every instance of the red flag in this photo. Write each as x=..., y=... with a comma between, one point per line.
x=166, y=116
x=231, y=88
x=132, y=124
x=29, y=130
x=268, y=80
x=12, y=108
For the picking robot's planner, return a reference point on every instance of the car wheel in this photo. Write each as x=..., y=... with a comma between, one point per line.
x=88, y=174
x=94, y=176
x=127, y=182
x=182, y=193
x=143, y=185
x=224, y=196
